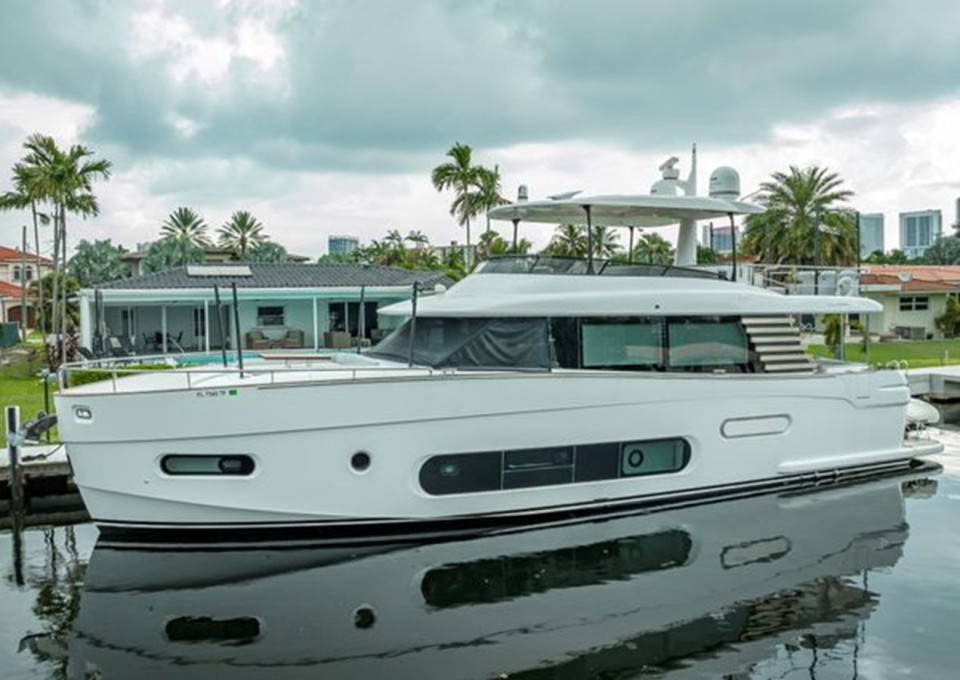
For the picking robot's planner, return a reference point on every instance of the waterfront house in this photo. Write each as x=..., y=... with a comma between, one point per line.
x=290, y=306
x=18, y=270
x=913, y=296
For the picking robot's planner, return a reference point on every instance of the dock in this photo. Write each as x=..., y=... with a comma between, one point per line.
x=941, y=383
x=49, y=492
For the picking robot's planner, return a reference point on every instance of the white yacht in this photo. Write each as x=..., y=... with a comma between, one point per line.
x=535, y=389
x=704, y=591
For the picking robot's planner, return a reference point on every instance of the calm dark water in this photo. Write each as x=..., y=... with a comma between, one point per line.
x=854, y=582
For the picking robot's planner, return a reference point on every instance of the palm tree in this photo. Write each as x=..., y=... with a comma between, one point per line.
x=569, y=240
x=799, y=203
x=22, y=197
x=65, y=180
x=460, y=175
x=185, y=224
x=488, y=194
x=653, y=249
x=605, y=242
x=241, y=232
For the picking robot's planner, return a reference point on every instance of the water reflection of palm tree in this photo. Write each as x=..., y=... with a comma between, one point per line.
x=58, y=583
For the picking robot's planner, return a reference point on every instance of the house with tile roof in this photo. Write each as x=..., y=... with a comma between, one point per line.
x=913, y=296
x=289, y=305
x=18, y=269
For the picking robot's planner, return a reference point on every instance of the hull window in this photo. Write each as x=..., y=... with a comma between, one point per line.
x=230, y=466
x=527, y=468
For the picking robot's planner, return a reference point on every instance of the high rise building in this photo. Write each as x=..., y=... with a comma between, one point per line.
x=341, y=245
x=919, y=230
x=871, y=233
x=719, y=239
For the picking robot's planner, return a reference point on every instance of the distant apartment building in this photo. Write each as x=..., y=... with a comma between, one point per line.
x=719, y=239
x=341, y=245
x=871, y=233
x=919, y=230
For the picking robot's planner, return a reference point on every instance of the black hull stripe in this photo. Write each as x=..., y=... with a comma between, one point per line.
x=392, y=530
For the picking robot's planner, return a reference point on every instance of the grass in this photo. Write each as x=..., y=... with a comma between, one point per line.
x=917, y=353
x=21, y=385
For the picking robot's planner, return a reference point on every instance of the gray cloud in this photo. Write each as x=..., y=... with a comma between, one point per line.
x=382, y=86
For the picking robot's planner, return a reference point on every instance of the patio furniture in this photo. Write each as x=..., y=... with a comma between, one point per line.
x=292, y=340
x=336, y=339
x=257, y=340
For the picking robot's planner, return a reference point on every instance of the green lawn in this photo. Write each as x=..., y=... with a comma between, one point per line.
x=20, y=385
x=917, y=354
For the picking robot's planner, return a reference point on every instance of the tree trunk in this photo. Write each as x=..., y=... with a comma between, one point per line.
x=63, y=288
x=41, y=315
x=54, y=308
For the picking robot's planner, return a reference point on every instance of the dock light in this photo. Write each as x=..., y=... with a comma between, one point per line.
x=82, y=413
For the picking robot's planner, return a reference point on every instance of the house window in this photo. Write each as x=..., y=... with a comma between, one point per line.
x=270, y=316
x=28, y=274
x=16, y=273
x=915, y=303
x=199, y=322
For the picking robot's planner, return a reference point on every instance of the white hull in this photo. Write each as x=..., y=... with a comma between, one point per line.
x=743, y=431
x=734, y=580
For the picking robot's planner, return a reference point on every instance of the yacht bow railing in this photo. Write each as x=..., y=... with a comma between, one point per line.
x=205, y=376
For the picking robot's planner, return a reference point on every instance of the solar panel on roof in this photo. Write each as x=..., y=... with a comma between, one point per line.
x=218, y=270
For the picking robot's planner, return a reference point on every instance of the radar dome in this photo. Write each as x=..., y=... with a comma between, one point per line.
x=725, y=183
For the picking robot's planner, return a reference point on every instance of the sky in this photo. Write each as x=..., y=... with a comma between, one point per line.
x=326, y=117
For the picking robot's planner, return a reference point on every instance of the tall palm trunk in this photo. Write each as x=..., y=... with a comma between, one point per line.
x=55, y=316
x=41, y=314
x=63, y=288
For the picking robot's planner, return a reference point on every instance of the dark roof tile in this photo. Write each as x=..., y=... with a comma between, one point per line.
x=286, y=275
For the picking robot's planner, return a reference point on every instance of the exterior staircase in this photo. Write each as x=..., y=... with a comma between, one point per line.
x=775, y=344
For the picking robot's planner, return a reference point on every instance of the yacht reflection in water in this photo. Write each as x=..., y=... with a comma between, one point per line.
x=693, y=592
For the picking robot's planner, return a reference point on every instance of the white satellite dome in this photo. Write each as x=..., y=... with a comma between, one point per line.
x=725, y=183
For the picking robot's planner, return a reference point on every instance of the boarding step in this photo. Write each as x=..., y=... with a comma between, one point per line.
x=765, y=321
x=779, y=359
x=798, y=367
x=775, y=349
x=763, y=331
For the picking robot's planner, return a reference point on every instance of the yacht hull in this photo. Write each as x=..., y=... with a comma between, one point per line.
x=746, y=434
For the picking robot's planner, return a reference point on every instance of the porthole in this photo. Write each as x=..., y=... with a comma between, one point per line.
x=363, y=617
x=227, y=466
x=360, y=461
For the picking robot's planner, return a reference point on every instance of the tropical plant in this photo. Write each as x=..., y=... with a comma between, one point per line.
x=569, y=240
x=706, y=255
x=64, y=180
x=653, y=249
x=97, y=262
x=44, y=287
x=946, y=250
x=895, y=256
x=605, y=242
x=488, y=194
x=171, y=252
x=804, y=221
x=460, y=175
x=185, y=224
x=240, y=232
x=266, y=251
x=26, y=195
x=948, y=323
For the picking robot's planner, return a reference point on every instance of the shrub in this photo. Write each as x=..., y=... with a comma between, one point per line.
x=92, y=375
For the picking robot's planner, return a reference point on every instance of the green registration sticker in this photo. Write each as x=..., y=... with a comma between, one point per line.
x=233, y=393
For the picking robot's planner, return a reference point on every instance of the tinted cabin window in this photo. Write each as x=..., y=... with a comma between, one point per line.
x=550, y=466
x=701, y=343
x=622, y=343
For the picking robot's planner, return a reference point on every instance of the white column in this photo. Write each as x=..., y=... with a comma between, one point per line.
x=686, y=255
x=163, y=327
x=86, y=322
x=316, y=327
x=206, y=326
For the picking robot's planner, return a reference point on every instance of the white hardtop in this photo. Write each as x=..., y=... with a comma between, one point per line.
x=641, y=210
x=531, y=295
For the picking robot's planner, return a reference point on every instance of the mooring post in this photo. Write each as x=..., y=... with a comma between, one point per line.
x=46, y=395
x=14, y=439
